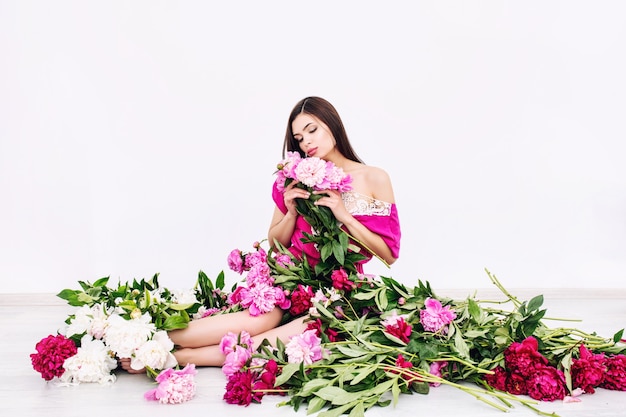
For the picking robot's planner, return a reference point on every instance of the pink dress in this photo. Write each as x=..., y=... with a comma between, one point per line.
x=378, y=216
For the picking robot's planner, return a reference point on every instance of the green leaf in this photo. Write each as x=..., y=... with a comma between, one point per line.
x=460, y=345
x=175, y=322
x=180, y=307
x=315, y=405
x=474, y=309
x=381, y=299
x=364, y=373
x=618, y=336
x=339, y=396
x=535, y=303
x=327, y=249
x=312, y=386
x=358, y=410
x=286, y=373
x=339, y=252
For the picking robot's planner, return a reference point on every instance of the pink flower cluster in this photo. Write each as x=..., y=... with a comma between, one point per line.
x=175, y=386
x=527, y=372
x=435, y=318
x=238, y=351
x=312, y=172
x=260, y=295
x=52, y=351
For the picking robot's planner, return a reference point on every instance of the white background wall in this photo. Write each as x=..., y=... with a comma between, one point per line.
x=140, y=136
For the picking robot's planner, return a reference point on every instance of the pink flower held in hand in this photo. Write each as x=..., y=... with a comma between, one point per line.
x=434, y=317
x=175, y=386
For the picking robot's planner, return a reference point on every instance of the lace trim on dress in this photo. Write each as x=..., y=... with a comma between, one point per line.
x=364, y=205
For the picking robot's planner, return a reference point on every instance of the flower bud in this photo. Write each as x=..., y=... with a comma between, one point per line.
x=135, y=314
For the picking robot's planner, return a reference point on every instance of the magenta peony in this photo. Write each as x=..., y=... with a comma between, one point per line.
x=615, y=377
x=52, y=351
x=435, y=317
x=588, y=371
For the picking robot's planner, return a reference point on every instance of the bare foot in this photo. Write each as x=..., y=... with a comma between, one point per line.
x=125, y=364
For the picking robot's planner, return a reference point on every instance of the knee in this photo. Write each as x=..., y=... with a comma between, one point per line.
x=183, y=356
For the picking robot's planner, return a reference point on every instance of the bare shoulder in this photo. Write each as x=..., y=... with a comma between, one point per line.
x=374, y=181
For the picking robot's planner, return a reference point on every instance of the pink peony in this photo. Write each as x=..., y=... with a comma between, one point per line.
x=283, y=260
x=235, y=261
x=259, y=274
x=254, y=258
x=52, y=351
x=262, y=298
x=175, y=386
x=236, y=360
x=311, y=172
x=305, y=347
x=435, y=369
x=434, y=317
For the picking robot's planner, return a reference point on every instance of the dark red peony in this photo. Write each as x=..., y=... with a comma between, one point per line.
x=301, y=300
x=588, y=371
x=52, y=352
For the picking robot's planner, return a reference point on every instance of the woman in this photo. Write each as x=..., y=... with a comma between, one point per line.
x=368, y=213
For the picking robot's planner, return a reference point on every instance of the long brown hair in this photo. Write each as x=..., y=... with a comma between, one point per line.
x=327, y=114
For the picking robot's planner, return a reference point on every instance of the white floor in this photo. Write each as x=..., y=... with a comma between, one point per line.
x=26, y=319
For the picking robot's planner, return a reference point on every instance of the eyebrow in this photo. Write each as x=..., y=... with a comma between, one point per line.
x=307, y=125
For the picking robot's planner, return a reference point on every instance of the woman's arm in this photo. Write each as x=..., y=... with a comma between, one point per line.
x=381, y=189
x=283, y=224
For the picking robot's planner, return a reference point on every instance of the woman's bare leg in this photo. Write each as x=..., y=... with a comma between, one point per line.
x=210, y=330
x=212, y=355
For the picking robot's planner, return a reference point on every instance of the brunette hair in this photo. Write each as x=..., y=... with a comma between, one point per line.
x=327, y=114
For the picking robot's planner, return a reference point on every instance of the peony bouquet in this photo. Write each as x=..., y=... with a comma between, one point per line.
x=129, y=321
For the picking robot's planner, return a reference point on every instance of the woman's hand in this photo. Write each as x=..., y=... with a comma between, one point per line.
x=334, y=202
x=291, y=193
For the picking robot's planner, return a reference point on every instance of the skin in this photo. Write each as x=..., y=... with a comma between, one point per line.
x=199, y=342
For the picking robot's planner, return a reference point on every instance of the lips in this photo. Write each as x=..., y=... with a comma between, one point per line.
x=311, y=152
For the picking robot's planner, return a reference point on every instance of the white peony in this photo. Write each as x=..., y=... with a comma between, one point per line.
x=124, y=336
x=184, y=296
x=91, y=363
x=80, y=323
x=155, y=353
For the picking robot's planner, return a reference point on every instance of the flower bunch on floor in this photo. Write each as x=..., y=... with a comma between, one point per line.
x=130, y=321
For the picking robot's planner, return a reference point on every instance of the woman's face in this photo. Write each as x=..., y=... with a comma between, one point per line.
x=313, y=136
